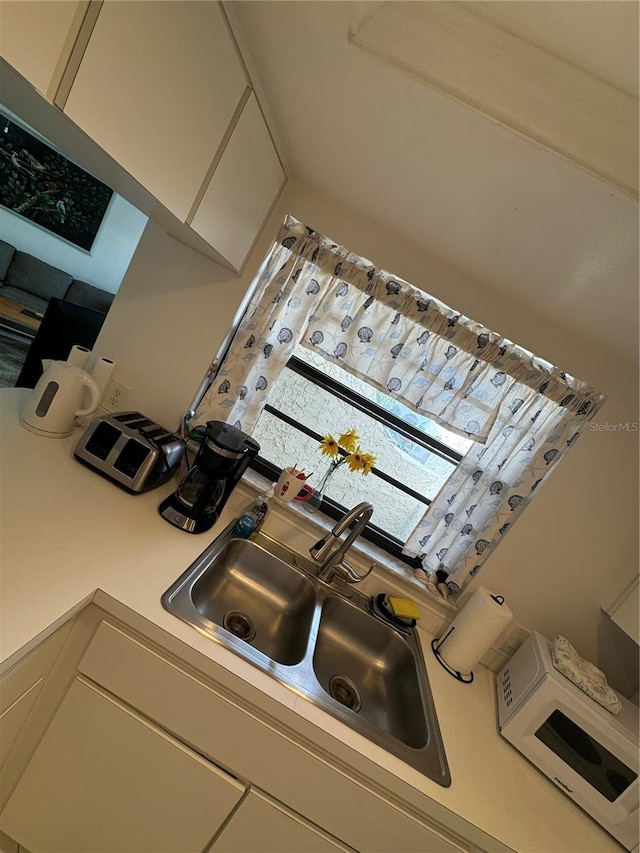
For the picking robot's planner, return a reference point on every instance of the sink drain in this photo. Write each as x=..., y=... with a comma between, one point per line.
x=344, y=691
x=239, y=624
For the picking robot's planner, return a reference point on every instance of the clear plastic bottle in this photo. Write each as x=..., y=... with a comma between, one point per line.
x=261, y=507
x=252, y=517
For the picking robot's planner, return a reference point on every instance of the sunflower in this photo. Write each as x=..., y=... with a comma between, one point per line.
x=329, y=446
x=369, y=461
x=356, y=460
x=346, y=449
x=349, y=440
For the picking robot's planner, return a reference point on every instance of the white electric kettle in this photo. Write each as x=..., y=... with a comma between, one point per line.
x=57, y=399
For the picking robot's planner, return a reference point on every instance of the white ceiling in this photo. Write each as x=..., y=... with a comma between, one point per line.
x=497, y=204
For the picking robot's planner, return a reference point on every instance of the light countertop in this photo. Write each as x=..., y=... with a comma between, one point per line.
x=66, y=532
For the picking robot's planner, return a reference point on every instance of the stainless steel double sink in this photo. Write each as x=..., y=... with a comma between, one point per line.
x=264, y=602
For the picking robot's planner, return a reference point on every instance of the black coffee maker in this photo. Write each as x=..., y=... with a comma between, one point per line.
x=223, y=456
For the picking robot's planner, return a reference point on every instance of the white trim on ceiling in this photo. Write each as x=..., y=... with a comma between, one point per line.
x=514, y=82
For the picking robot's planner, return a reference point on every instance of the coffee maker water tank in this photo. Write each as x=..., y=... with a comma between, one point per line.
x=223, y=457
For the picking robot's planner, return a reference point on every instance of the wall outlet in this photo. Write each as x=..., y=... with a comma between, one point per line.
x=116, y=396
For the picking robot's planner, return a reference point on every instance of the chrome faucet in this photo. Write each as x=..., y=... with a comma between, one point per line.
x=329, y=552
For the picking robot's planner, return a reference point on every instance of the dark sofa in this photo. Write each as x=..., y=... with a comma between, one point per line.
x=32, y=282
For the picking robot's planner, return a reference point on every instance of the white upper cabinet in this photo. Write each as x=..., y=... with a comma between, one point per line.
x=157, y=88
x=37, y=38
x=242, y=190
x=161, y=88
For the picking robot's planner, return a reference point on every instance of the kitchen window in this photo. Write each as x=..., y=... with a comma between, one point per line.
x=414, y=455
x=469, y=423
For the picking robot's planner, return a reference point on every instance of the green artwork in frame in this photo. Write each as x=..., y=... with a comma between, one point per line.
x=45, y=187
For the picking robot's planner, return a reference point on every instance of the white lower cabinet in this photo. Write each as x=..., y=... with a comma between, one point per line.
x=104, y=780
x=258, y=750
x=13, y=718
x=260, y=824
x=117, y=771
x=20, y=687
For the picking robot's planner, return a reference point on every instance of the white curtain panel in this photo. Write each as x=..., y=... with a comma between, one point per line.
x=493, y=484
x=522, y=412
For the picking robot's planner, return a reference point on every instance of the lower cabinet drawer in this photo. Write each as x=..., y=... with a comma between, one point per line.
x=104, y=779
x=234, y=738
x=261, y=824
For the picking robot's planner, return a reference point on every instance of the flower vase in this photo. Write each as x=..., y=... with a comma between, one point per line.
x=313, y=503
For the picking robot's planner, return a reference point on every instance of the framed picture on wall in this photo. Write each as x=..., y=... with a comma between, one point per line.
x=41, y=185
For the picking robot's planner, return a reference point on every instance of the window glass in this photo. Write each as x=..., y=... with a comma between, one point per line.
x=421, y=422
x=418, y=471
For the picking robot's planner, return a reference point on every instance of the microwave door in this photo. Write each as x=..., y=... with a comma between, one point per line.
x=574, y=746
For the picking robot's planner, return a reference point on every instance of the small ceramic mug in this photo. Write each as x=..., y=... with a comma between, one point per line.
x=291, y=486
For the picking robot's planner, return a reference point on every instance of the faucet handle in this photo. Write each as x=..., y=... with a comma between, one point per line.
x=350, y=575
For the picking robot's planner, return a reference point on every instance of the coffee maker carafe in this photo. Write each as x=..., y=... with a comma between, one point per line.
x=223, y=456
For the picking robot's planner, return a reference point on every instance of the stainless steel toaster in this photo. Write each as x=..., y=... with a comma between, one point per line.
x=131, y=450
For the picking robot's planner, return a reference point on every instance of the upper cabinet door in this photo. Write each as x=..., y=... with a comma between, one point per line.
x=37, y=39
x=157, y=88
x=242, y=190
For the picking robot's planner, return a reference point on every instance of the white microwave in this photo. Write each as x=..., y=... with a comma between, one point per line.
x=589, y=753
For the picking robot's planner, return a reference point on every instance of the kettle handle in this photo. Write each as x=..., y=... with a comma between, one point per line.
x=96, y=395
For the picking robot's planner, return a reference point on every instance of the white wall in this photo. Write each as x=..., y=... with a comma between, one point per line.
x=112, y=250
x=580, y=535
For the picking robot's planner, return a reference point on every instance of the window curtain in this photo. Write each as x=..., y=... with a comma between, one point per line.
x=522, y=412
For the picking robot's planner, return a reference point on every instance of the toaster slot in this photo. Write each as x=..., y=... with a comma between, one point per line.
x=138, y=425
x=167, y=438
x=131, y=458
x=103, y=440
x=154, y=433
x=125, y=417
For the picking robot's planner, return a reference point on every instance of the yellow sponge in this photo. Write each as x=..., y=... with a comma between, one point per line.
x=404, y=608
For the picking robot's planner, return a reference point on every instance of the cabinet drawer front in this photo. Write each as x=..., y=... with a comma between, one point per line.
x=264, y=825
x=235, y=737
x=104, y=779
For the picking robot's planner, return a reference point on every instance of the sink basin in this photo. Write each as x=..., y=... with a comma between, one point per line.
x=366, y=665
x=259, y=599
x=264, y=602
